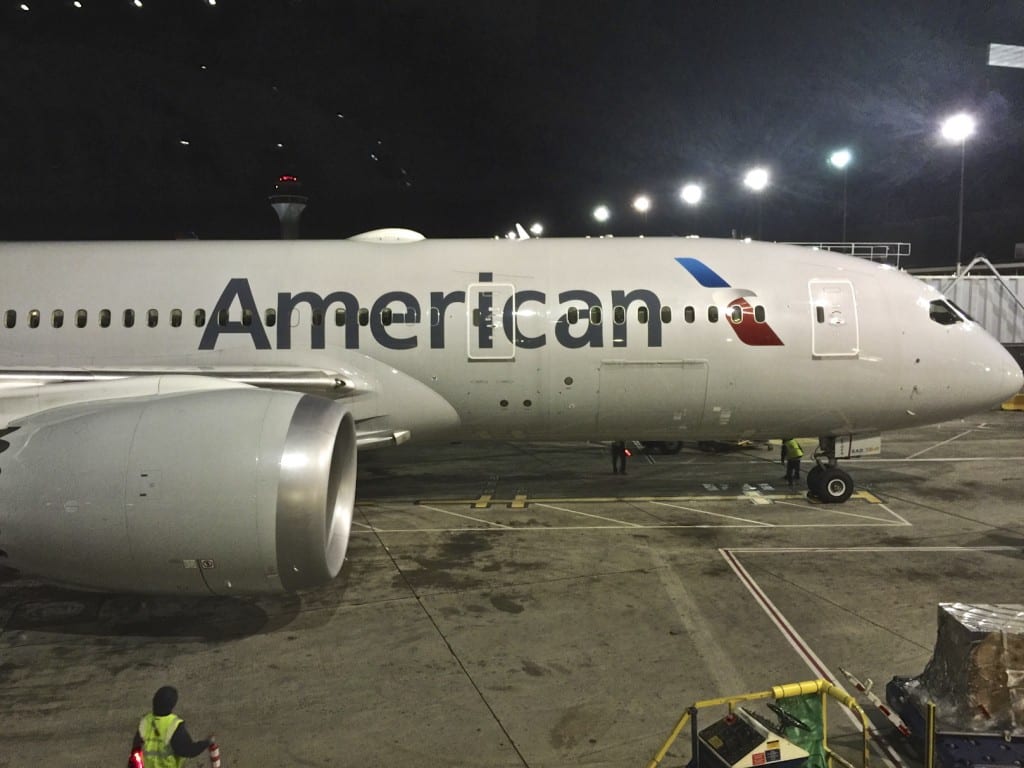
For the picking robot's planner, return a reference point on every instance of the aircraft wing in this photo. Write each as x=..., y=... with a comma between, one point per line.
x=27, y=391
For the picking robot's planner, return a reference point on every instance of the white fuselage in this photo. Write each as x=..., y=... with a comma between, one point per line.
x=537, y=339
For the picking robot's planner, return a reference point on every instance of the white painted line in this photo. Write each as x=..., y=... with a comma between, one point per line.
x=624, y=527
x=464, y=517
x=796, y=550
x=895, y=514
x=951, y=459
x=804, y=651
x=758, y=523
x=364, y=525
x=588, y=514
x=832, y=509
x=950, y=440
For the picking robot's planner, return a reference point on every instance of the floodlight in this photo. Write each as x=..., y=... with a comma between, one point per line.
x=756, y=179
x=958, y=128
x=691, y=193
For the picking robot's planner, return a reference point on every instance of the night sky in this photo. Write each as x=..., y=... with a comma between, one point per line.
x=459, y=119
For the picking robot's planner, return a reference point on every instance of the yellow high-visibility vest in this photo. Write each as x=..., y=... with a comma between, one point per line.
x=156, y=735
x=793, y=449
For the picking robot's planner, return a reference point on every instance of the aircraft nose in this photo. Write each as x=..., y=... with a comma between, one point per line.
x=1006, y=377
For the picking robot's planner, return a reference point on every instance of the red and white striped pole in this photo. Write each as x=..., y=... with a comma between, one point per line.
x=214, y=754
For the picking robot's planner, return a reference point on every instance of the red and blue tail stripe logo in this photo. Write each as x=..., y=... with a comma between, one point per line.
x=748, y=329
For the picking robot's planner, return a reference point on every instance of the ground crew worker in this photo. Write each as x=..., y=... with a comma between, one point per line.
x=619, y=454
x=791, y=453
x=162, y=736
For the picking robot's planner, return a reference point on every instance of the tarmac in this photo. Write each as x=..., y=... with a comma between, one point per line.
x=520, y=605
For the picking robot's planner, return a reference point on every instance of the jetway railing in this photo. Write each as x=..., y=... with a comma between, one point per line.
x=889, y=253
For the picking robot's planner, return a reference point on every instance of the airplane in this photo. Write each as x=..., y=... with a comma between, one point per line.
x=185, y=417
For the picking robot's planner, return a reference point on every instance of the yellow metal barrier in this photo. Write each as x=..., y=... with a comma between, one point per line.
x=1015, y=403
x=810, y=687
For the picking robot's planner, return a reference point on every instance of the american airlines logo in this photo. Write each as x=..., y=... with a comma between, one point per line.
x=393, y=312
x=748, y=327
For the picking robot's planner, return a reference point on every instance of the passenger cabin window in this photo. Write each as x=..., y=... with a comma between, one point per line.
x=57, y=318
x=364, y=316
x=572, y=315
x=152, y=318
x=10, y=318
x=643, y=314
x=339, y=317
x=943, y=313
x=737, y=315
x=104, y=318
x=175, y=318
x=759, y=313
x=619, y=315
x=81, y=318
x=689, y=315
x=129, y=318
x=595, y=315
x=246, y=317
x=712, y=314
x=271, y=318
x=222, y=318
x=386, y=316
x=199, y=318
x=666, y=314
x=819, y=314
x=33, y=318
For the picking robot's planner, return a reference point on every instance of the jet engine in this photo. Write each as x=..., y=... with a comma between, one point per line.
x=230, y=491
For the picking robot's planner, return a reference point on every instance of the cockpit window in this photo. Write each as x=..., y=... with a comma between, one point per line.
x=959, y=310
x=945, y=312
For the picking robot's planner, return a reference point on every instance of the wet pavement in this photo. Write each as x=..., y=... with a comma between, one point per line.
x=520, y=605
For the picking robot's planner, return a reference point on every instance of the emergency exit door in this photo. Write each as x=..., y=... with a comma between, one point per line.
x=834, y=328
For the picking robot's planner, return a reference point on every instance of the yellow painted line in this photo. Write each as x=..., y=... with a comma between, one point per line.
x=519, y=502
x=484, y=502
x=867, y=496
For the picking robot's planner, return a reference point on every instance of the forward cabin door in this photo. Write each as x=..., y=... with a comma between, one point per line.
x=491, y=330
x=834, y=328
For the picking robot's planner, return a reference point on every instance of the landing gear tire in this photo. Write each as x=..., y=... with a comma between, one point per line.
x=814, y=480
x=835, y=486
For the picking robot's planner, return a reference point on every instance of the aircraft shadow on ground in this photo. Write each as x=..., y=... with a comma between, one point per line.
x=36, y=607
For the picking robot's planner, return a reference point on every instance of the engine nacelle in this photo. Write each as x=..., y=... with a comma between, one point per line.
x=238, y=491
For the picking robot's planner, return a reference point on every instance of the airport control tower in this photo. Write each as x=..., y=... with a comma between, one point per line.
x=289, y=203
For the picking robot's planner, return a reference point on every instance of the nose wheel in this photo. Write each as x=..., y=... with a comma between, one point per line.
x=826, y=481
x=830, y=484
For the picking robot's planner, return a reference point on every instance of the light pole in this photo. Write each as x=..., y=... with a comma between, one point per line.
x=756, y=180
x=840, y=159
x=959, y=128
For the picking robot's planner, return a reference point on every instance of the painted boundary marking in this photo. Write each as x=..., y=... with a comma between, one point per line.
x=622, y=523
x=943, y=442
x=860, y=520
